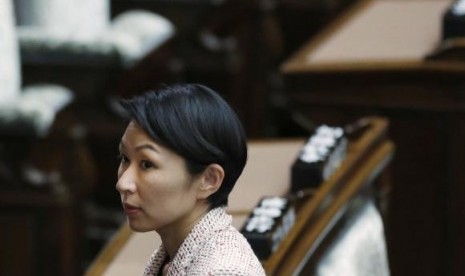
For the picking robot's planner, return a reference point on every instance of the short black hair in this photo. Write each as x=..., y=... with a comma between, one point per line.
x=196, y=123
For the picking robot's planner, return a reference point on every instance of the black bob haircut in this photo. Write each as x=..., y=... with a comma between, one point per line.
x=196, y=123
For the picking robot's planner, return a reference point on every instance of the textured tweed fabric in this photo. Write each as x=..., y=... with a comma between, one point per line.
x=213, y=247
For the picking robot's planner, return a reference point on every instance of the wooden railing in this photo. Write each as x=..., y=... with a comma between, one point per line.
x=367, y=158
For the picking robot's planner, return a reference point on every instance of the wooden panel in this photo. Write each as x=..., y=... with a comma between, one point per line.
x=41, y=237
x=17, y=250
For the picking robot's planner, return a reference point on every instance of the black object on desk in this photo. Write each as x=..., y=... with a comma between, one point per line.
x=268, y=224
x=453, y=21
x=319, y=158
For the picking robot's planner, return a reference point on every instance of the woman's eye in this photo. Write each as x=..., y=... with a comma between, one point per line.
x=146, y=164
x=123, y=158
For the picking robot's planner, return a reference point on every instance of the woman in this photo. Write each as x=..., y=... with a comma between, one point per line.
x=181, y=154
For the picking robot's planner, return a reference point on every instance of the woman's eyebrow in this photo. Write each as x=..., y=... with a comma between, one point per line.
x=147, y=146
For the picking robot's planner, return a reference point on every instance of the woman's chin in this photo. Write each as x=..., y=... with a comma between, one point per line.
x=137, y=227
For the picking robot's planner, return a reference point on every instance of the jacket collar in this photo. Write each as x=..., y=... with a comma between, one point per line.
x=215, y=220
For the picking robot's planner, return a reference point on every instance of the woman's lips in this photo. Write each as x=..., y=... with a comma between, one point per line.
x=131, y=210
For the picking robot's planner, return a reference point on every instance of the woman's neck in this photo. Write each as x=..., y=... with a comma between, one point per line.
x=172, y=237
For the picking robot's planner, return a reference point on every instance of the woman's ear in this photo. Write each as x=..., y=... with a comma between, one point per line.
x=212, y=177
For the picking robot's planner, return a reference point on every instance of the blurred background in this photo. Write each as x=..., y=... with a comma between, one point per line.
x=64, y=63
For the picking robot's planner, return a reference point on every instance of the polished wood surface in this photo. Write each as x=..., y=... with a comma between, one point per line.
x=375, y=35
x=420, y=90
x=367, y=157
x=111, y=251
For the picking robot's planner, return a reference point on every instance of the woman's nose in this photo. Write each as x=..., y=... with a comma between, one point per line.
x=126, y=182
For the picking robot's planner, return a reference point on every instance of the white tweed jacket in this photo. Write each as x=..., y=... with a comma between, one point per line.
x=213, y=247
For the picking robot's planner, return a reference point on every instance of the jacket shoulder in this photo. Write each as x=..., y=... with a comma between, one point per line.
x=227, y=252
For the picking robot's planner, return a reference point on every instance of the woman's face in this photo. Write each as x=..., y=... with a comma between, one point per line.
x=156, y=189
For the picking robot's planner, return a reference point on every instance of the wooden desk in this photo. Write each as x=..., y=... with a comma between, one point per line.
x=128, y=252
x=375, y=35
x=372, y=61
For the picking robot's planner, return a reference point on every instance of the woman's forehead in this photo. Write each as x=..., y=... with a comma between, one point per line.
x=135, y=134
x=135, y=137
